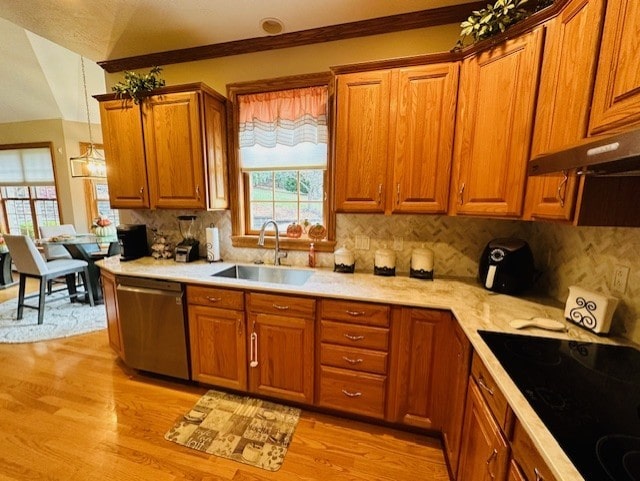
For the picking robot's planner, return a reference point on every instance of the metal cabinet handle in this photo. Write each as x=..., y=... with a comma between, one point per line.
x=214, y=299
x=141, y=191
x=398, y=194
x=461, y=194
x=491, y=457
x=562, y=193
x=240, y=324
x=280, y=307
x=379, y=194
x=483, y=385
x=539, y=476
x=352, y=361
x=351, y=337
x=253, y=361
x=198, y=192
x=351, y=394
x=355, y=313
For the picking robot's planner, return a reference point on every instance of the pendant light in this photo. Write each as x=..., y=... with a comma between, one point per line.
x=92, y=162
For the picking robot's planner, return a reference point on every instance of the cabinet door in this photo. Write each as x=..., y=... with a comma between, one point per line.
x=111, y=306
x=124, y=153
x=422, y=350
x=564, y=101
x=495, y=117
x=423, y=138
x=216, y=152
x=174, y=148
x=515, y=474
x=218, y=346
x=458, y=358
x=281, y=356
x=616, y=97
x=485, y=452
x=362, y=139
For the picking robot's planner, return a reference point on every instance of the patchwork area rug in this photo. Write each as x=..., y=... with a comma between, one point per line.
x=61, y=319
x=243, y=429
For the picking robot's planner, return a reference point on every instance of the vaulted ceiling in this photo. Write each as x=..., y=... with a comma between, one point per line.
x=41, y=40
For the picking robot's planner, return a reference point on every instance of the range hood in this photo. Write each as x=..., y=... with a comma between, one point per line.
x=618, y=155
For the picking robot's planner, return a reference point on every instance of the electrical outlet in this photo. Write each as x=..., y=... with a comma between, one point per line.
x=398, y=243
x=620, y=277
x=362, y=242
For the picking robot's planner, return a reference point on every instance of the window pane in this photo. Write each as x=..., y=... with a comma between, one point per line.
x=102, y=191
x=15, y=192
x=261, y=186
x=19, y=216
x=286, y=213
x=45, y=192
x=47, y=212
x=312, y=211
x=286, y=185
x=260, y=212
x=104, y=209
x=312, y=184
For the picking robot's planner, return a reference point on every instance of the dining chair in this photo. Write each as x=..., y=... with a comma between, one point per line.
x=52, y=252
x=30, y=263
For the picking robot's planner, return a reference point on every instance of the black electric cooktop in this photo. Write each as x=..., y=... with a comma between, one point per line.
x=587, y=394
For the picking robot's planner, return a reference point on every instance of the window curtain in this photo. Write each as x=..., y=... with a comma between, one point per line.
x=284, y=117
x=31, y=166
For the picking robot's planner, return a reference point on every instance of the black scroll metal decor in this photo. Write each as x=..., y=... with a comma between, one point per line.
x=583, y=313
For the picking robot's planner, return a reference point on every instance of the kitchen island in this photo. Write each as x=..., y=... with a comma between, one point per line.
x=474, y=309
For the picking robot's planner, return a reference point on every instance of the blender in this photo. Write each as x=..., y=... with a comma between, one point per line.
x=187, y=248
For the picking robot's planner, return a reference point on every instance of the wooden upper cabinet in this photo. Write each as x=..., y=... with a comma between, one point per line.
x=174, y=151
x=423, y=134
x=564, y=100
x=174, y=141
x=362, y=139
x=124, y=151
x=495, y=118
x=616, y=97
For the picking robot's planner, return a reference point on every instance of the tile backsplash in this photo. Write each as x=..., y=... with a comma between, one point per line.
x=565, y=255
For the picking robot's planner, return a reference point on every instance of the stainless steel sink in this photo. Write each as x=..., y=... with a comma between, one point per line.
x=276, y=275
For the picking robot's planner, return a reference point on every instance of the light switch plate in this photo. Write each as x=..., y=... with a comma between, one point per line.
x=362, y=242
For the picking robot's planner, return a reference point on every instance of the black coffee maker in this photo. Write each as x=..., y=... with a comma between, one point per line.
x=506, y=266
x=133, y=241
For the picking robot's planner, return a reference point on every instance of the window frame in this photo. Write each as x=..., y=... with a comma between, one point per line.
x=4, y=220
x=238, y=181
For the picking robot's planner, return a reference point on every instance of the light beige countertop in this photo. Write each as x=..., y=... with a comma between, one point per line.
x=474, y=307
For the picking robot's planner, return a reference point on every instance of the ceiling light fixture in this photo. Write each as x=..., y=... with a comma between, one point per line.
x=91, y=163
x=272, y=25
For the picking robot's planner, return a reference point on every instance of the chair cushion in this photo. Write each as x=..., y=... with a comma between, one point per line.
x=60, y=266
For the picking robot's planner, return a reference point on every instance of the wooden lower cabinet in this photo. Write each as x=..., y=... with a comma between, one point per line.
x=217, y=337
x=515, y=474
x=111, y=306
x=485, y=451
x=280, y=345
x=526, y=457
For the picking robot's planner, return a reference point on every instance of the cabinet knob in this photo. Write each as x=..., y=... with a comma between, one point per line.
x=482, y=383
x=352, y=361
x=141, y=191
x=461, y=194
x=355, y=313
x=214, y=299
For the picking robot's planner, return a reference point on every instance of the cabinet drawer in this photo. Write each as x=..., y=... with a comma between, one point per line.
x=527, y=456
x=354, y=392
x=282, y=305
x=353, y=358
x=492, y=395
x=354, y=335
x=220, y=298
x=356, y=312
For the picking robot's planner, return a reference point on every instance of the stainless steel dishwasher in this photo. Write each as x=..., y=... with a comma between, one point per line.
x=152, y=320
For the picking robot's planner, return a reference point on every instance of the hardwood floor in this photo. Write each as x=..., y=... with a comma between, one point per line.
x=69, y=410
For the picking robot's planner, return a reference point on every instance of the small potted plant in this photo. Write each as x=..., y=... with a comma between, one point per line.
x=136, y=85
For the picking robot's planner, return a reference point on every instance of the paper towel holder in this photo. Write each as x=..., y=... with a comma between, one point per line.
x=211, y=247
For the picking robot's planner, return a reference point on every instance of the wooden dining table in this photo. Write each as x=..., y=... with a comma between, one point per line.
x=89, y=248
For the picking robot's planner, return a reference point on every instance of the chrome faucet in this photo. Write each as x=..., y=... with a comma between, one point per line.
x=277, y=255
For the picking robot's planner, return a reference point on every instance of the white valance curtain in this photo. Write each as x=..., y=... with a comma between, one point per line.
x=285, y=129
x=30, y=166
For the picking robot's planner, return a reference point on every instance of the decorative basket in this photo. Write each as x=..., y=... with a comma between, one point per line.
x=590, y=310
